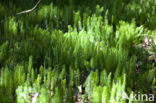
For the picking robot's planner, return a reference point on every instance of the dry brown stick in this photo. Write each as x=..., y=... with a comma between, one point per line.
x=23, y=12
x=30, y=10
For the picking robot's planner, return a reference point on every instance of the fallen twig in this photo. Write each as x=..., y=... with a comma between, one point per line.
x=30, y=10
x=23, y=12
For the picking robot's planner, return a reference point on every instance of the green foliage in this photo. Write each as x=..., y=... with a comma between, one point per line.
x=47, y=54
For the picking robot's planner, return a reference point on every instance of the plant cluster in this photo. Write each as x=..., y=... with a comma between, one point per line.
x=69, y=51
